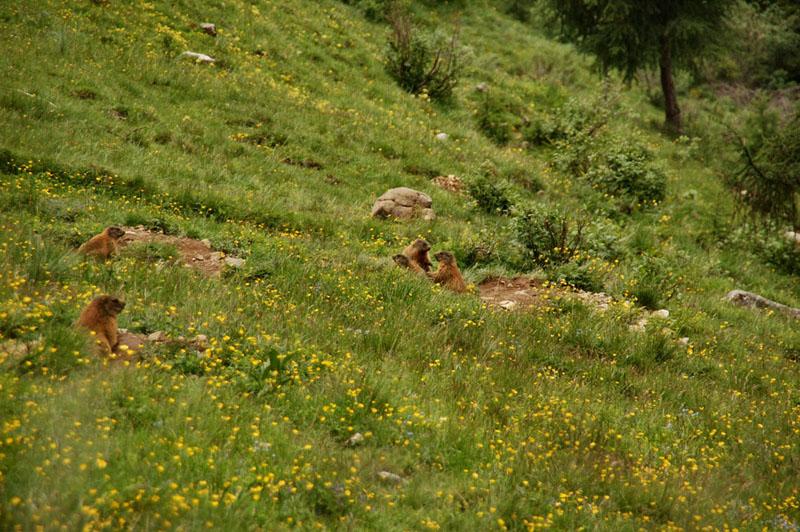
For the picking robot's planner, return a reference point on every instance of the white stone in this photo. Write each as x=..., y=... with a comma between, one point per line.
x=508, y=304
x=157, y=336
x=442, y=136
x=209, y=28
x=200, y=58
x=355, y=439
x=234, y=261
x=206, y=242
x=663, y=313
x=390, y=477
x=791, y=235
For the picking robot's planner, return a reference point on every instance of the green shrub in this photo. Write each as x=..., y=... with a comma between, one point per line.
x=778, y=250
x=491, y=194
x=627, y=169
x=766, y=183
x=573, y=119
x=496, y=118
x=580, y=274
x=547, y=232
x=429, y=64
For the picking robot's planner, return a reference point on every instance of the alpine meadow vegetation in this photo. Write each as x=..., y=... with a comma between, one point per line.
x=298, y=379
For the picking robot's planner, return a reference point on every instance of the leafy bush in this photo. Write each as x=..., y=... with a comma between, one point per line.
x=573, y=119
x=579, y=274
x=627, y=169
x=780, y=251
x=420, y=63
x=766, y=182
x=547, y=232
x=495, y=118
x=491, y=194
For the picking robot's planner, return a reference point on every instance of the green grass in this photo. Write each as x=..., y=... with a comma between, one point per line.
x=557, y=417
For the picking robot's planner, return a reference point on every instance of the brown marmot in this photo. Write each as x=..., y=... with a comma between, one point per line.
x=417, y=251
x=448, y=273
x=100, y=316
x=103, y=245
x=404, y=262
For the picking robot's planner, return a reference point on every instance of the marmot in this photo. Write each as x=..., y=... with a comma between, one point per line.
x=417, y=251
x=448, y=274
x=405, y=262
x=104, y=244
x=100, y=316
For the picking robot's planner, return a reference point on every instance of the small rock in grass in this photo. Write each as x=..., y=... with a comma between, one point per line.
x=442, y=136
x=508, y=304
x=209, y=28
x=387, y=476
x=482, y=87
x=157, y=336
x=684, y=340
x=639, y=326
x=234, y=261
x=791, y=235
x=355, y=439
x=206, y=242
x=200, y=58
x=200, y=339
x=663, y=313
x=216, y=256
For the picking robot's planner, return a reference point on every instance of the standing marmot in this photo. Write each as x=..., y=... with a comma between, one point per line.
x=448, y=274
x=417, y=251
x=100, y=316
x=104, y=244
x=405, y=262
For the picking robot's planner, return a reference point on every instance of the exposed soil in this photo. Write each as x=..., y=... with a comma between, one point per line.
x=451, y=183
x=193, y=253
x=529, y=292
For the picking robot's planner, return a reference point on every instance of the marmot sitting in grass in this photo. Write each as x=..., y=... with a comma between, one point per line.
x=404, y=262
x=417, y=252
x=100, y=316
x=448, y=273
x=103, y=245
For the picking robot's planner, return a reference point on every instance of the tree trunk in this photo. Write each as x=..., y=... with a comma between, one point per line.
x=673, y=112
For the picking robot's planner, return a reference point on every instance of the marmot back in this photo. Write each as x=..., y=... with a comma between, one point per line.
x=448, y=273
x=404, y=262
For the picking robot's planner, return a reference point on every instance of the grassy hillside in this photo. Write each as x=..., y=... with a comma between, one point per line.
x=554, y=416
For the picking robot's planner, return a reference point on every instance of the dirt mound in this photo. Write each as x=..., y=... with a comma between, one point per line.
x=529, y=292
x=195, y=254
x=450, y=183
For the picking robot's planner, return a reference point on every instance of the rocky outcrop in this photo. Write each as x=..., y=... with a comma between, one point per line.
x=403, y=203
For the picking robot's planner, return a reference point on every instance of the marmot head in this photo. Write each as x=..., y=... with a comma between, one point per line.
x=111, y=305
x=445, y=257
x=401, y=260
x=422, y=244
x=115, y=232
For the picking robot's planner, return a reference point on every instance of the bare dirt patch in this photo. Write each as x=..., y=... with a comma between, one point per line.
x=195, y=254
x=529, y=292
x=451, y=183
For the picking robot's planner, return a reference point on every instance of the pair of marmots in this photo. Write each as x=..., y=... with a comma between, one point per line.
x=100, y=316
x=415, y=258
